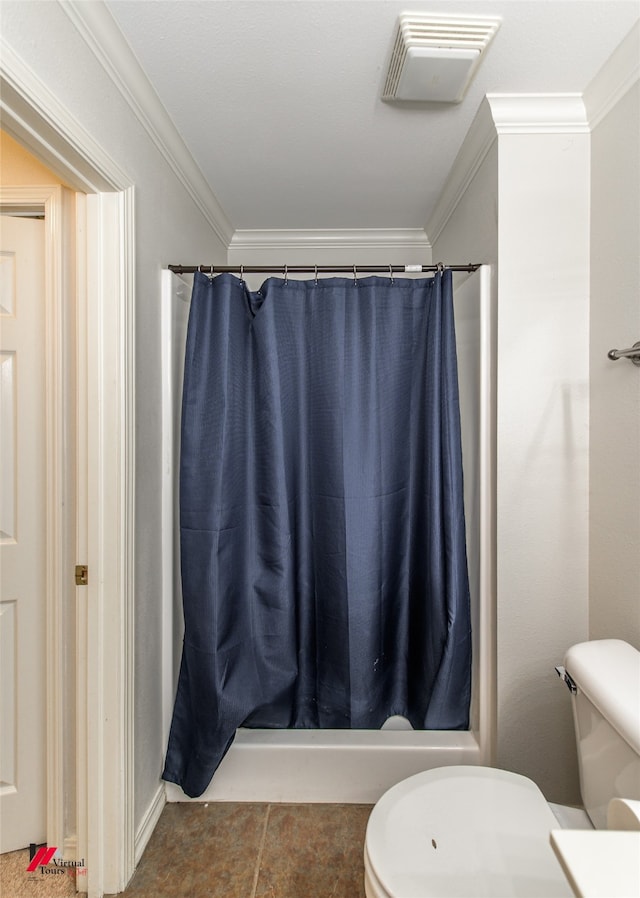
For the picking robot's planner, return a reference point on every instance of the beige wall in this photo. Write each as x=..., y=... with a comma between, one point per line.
x=614, y=587
x=18, y=168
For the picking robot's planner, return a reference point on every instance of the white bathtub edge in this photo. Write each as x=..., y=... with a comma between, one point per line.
x=344, y=766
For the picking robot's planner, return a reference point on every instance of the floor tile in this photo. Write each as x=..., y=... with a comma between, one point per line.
x=313, y=851
x=201, y=851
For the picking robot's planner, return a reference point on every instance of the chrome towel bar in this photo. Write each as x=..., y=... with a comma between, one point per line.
x=632, y=354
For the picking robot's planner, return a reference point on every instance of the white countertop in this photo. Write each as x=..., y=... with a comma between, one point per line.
x=599, y=863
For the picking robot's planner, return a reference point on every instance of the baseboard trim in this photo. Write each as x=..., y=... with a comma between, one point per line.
x=149, y=822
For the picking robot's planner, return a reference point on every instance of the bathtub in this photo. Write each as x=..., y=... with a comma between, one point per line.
x=329, y=765
x=352, y=765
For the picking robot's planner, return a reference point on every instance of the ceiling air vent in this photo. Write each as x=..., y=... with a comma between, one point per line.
x=434, y=57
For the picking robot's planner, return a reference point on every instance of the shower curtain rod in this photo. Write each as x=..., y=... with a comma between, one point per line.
x=318, y=269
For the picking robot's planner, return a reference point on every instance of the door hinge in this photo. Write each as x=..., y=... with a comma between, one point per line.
x=82, y=575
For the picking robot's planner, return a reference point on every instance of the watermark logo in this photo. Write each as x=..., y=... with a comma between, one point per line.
x=47, y=860
x=39, y=855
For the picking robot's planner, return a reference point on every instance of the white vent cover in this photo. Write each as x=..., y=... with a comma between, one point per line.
x=434, y=56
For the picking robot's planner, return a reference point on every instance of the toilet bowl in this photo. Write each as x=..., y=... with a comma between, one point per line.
x=471, y=832
x=416, y=846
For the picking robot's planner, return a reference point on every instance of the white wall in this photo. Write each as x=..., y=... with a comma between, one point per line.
x=614, y=587
x=542, y=447
x=169, y=228
x=526, y=207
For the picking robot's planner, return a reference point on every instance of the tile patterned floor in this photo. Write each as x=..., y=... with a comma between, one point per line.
x=238, y=850
x=231, y=850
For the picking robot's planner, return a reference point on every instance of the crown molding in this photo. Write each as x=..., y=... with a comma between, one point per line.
x=340, y=238
x=99, y=30
x=501, y=114
x=480, y=138
x=615, y=78
x=538, y=113
x=35, y=117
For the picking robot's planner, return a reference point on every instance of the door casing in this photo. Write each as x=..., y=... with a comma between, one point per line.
x=103, y=276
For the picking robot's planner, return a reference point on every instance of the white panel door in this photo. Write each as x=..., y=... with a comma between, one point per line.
x=22, y=534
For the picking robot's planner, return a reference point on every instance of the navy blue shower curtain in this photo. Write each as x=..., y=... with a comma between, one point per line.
x=322, y=523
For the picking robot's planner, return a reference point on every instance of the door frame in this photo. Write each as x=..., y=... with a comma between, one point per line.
x=105, y=339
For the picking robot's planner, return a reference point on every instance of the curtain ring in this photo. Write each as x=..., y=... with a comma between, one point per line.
x=316, y=278
x=242, y=274
x=391, y=273
x=355, y=277
x=440, y=268
x=286, y=276
x=211, y=273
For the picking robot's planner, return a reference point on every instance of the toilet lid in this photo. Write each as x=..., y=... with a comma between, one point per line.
x=464, y=831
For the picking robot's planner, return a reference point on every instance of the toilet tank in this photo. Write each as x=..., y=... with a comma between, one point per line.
x=606, y=714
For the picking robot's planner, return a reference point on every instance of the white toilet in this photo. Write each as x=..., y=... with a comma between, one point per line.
x=479, y=831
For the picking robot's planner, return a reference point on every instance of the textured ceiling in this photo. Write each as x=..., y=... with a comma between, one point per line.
x=279, y=102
